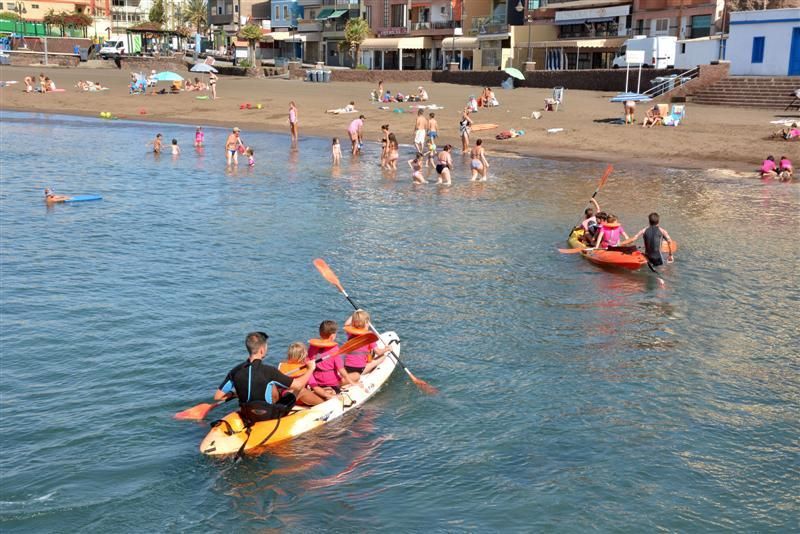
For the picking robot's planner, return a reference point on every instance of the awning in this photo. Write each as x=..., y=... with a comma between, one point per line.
x=338, y=13
x=325, y=13
x=612, y=43
x=420, y=3
x=565, y=22
x=396, y=43
x=285, y=36
x=593, y=14
x=461, y=43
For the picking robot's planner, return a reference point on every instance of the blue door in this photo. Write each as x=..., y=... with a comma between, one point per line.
x=794, y=53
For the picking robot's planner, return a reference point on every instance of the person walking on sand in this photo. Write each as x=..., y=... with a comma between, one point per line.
x=464, y=126
x=355, y=133
x=212, y=85
x=232, y=145
x=293, y=121
x=478, y=162
x=420, y=130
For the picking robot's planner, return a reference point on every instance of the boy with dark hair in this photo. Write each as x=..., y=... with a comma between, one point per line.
x=654, y=237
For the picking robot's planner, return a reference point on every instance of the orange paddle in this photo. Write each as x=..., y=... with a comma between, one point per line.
x=328, y=274
x=199, y=412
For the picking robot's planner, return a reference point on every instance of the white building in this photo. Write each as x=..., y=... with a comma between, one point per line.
x=701, y=51
x=765, y=43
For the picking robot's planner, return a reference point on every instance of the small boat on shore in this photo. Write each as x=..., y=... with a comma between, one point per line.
x=229, y=435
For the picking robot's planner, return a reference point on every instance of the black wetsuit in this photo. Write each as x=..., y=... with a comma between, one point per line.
x=254, y=382
x=653, y=238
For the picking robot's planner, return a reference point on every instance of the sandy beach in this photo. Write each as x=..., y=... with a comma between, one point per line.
x=710, y=136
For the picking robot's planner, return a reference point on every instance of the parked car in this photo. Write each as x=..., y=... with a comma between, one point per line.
x=112, y=49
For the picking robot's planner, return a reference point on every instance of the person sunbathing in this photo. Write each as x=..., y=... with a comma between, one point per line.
x=652, y=117
x=349, y=108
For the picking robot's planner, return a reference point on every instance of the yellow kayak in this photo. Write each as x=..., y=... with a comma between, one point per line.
x=227, y=436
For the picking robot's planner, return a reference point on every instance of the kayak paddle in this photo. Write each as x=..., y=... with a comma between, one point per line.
x=328, y=274
x=199, y=412
x=602, y=182
x=571, y=250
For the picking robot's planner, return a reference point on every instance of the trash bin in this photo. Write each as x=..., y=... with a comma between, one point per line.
x=309, y=75
x=318, y=76
x=326, y=76
x=84, y=54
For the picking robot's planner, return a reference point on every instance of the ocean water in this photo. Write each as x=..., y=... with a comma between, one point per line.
x=572, y=398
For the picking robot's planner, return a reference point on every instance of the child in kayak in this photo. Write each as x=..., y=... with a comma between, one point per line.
x=365, y=359
x=653, y=236
x=294, y=364
x=610, y=232
x=329, y=374
x=590, y=236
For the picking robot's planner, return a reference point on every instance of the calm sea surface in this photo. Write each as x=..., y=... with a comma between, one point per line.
x=572, y=398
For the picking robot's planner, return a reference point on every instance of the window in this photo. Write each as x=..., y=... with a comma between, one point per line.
x=398, y=16
x=533, y=4
x=368, y=14
x=277, y=14
x=701, y=26
x=34, y=6
x=235, y=8
x=219, y=10
x=11, y=6
x=662, y=27
x=758, y=50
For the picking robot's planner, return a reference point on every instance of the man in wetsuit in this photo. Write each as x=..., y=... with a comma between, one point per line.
x=257, y=384
x=654, y=237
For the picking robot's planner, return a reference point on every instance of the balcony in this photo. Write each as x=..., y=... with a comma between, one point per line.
x=308, y=25
x=434, y=28
x=488, y=25
x=391, y=31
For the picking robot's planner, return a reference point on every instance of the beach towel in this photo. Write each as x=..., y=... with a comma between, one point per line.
x=480, y=127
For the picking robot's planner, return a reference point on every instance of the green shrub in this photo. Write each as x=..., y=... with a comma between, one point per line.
x=362, y=67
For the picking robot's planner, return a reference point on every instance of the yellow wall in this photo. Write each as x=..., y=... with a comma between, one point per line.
x=37, y=10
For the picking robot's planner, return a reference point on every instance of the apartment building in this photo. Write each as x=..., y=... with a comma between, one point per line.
x=684, y=19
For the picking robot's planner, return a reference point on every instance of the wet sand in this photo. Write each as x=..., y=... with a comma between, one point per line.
x=710, y=136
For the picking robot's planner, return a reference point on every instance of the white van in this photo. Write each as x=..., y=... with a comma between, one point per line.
x=112, y=49
x=659, y=52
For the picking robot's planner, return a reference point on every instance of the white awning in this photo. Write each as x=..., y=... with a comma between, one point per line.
x=396, y=43
x=595, y=14
x=285, y=36
x=461, y=43
x=612, y=43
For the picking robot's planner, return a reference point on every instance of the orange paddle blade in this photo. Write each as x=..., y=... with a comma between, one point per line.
x=570, y=250
x=354, y=344
x=196, y=413
x=327, y=273
x=421, y=384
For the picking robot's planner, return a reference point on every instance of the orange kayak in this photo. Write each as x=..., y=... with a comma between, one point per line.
x=613, y=258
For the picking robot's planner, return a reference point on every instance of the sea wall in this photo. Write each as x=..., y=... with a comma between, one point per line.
x=23, y=58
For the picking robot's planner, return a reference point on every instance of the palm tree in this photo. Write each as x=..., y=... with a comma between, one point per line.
x=251, y=33
x=355, y=32
x=196, y=13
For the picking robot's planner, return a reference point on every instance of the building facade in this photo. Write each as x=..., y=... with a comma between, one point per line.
x=765, y=43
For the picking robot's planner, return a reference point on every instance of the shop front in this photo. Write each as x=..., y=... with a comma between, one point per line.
x=397, y=53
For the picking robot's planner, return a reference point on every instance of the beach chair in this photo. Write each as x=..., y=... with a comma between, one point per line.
x=558, y=96
x=676, y=115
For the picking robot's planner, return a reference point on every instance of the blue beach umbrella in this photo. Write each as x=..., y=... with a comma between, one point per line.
x=168, y=76
x=635, y=97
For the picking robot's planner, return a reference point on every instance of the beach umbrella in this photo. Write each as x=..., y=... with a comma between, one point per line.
x=634, y=97
x=514, y=73
x=168, y=76
x=203, y=67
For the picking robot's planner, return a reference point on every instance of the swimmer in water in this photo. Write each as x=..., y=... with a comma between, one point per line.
x=51, y=197
x=176, y=150
x=336, y=152
x=478, y=162
x=199, y=136
x=157, y=144
x=251, y=161
x=416, y=169
x=443, y=165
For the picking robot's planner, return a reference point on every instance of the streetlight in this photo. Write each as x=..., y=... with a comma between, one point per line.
x=528, y=19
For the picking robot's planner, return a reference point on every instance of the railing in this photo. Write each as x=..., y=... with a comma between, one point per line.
x=484, y=25
x=448, y=25
x=672, y=83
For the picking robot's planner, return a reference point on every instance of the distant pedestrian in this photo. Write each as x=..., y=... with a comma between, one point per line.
x=464, y=127
x=293, y=119
x=232, y=145
x=212, y=85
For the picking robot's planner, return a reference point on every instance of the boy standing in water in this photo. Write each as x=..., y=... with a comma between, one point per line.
x=654, y=236
x=420, y=131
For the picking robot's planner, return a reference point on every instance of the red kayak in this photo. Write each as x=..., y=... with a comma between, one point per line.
x=633, y=260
